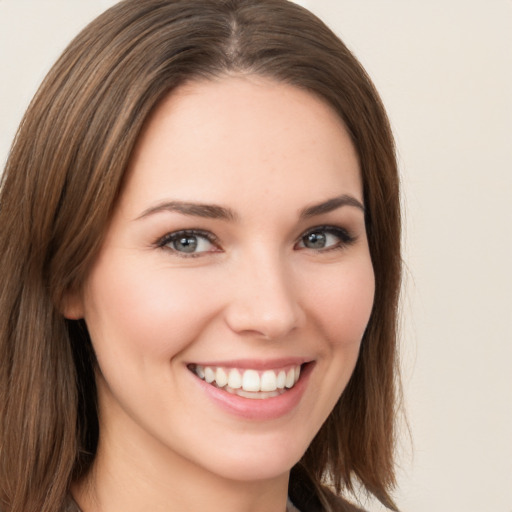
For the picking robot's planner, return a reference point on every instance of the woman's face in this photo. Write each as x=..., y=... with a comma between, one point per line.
x=237, y=257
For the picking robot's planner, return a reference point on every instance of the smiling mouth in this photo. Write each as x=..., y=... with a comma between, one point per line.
x=249, y=383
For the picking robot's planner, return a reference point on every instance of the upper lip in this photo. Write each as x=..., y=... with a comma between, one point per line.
x=255, y=364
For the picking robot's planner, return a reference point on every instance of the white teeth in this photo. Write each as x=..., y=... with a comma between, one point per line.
x=257, y=396
x=281, y=379
x=268, y=381
x=209, y=375
x=221, y=377
x=235, y=379
x=251, y=381
x=246, y=383
x=290, y=378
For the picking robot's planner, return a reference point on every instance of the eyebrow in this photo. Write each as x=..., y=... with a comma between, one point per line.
x=213, y=211
x=208, y=211
x=330, y=205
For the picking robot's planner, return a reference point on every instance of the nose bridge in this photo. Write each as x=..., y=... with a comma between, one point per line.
x=264, y=299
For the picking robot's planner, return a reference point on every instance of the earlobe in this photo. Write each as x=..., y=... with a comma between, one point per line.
x=72, y=306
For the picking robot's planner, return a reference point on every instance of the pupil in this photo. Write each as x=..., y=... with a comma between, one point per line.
x=315, y=240
x=186, y=244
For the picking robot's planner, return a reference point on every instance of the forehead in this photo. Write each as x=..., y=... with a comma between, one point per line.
x=239, y=136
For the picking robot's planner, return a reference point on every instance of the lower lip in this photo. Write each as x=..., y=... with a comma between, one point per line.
x=259, y=409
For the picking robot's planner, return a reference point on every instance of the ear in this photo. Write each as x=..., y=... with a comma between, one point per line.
x=72, y=305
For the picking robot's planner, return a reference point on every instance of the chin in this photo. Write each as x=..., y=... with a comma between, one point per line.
x=265, y=460
x=255, y=469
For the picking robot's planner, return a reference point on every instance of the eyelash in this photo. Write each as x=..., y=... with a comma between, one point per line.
x=163, y=243
x=345, y=239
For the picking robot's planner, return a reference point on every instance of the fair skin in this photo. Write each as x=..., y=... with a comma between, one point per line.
x=268, y=278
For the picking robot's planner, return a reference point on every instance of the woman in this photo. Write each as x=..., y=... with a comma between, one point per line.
x=200, y=265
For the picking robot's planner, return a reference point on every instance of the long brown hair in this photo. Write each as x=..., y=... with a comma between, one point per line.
x=60, y=186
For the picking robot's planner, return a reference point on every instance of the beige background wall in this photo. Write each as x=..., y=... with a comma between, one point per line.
x=444, y=69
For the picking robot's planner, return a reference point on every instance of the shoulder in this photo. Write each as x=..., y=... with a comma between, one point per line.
x=340, y=505
x=70, y=505
x=308, y=497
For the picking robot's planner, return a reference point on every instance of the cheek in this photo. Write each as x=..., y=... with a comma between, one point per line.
x=151, y=313
x=344, y=302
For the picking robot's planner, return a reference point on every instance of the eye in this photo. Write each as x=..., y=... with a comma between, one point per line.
x=324, y=238
x=189, y=242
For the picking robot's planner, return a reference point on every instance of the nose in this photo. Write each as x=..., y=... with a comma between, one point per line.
x=264, y=301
